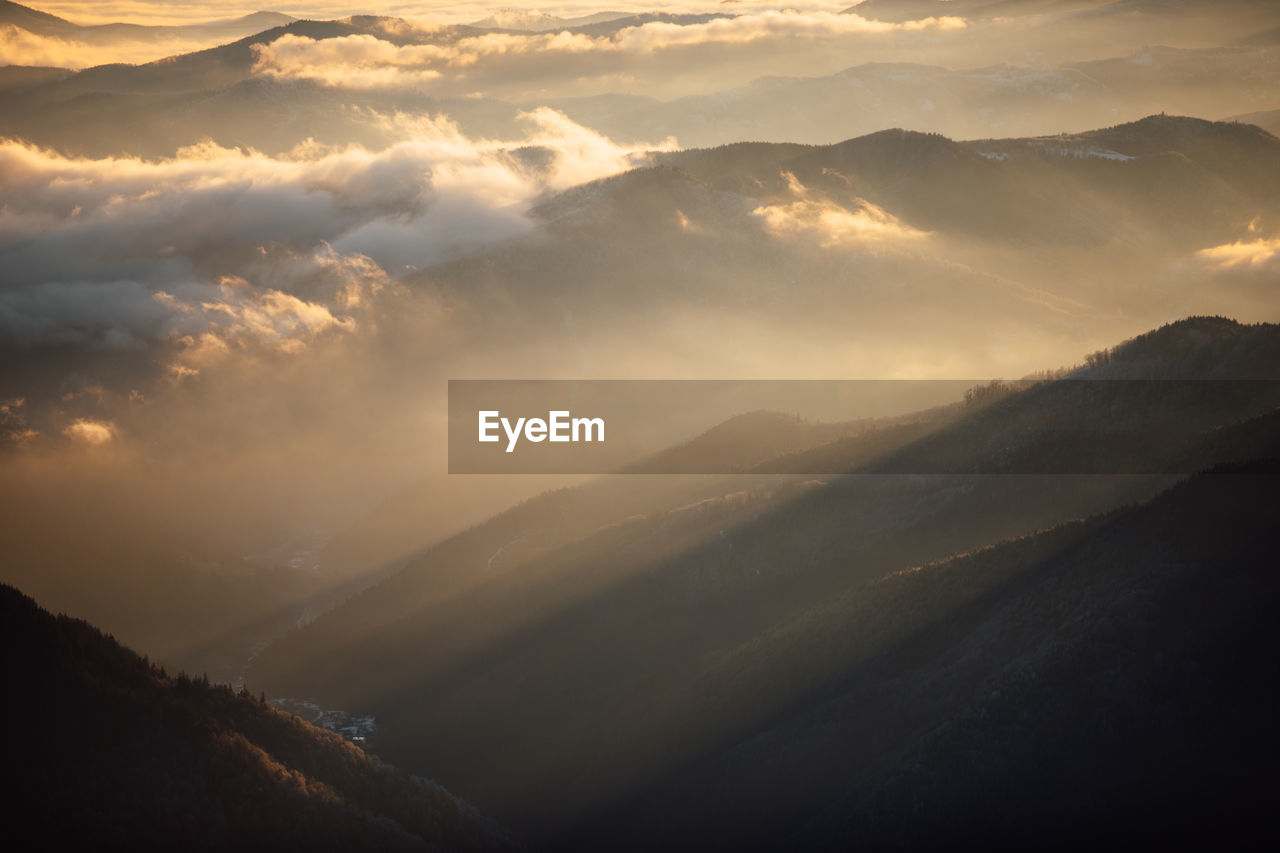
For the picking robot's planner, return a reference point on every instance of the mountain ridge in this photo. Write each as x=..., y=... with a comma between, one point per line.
x=115, y=749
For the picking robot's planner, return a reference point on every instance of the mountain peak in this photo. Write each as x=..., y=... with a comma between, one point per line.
x=1204, y=347
x=33, y=20
x=1172, y=131
x=896, y=149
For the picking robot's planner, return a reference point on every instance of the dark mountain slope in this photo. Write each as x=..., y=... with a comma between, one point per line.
x=1163, y=393
x=106, y=749
x=22, y=76
x=1110, y=681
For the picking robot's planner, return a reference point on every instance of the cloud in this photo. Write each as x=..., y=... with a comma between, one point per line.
x=21, y=47
x=239, y=311
x=364, y=61
x=151, y=12
x=831, y=225
x=90, y=432
x=1242, y=254
x=767, y=24
x=110, y=313
x=119, y=251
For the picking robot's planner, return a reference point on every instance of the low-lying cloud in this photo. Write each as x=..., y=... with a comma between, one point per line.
x=21, y=47
x=120, y=251
x=861, y=224
x=364, y=61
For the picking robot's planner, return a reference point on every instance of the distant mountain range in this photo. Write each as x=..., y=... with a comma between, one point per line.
x=962, y=103
x=965, y=221
x=537, y=22
x=154, y=109
x=903, y=10
x=42, y=23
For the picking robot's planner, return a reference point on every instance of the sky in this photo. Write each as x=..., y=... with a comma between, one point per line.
x=156, y=13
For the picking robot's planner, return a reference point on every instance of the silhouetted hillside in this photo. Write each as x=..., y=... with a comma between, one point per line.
x=20, y=76
x=1110, y=681
x=106, y=749
x=1268, y=120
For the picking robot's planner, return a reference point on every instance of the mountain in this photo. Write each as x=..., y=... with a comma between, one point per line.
x=219, y=98
x=157, y=586
x=108, y=749
x=1112, y=678
x=157, y=108
x=1008, y=223
x=1268, y=120
x=898, y=223
x=1050, y=189
x=537, y=22
x=42, y=23
x=565, y=657
x=153, y=109
x=22, y=76
x=1117, y=11
x=962, y=102
x=33, y=20
x=609, y=26
x=216, y=68
x=908, y=10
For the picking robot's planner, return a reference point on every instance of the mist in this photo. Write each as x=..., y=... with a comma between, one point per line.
x=243, y=253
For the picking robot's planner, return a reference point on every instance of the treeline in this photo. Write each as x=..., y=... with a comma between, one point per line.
x=106, y=748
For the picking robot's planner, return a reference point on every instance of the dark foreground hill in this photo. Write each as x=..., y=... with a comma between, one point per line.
x=106, y=749
x=1111, y=681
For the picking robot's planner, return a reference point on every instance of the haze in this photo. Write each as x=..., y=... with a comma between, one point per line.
x=242, y=253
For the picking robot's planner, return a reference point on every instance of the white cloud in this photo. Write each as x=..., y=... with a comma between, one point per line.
x=21, y=47
x=831, y=225
x=91, y=432
x=89, y=243
x=1242, y=254
x=363, y=61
